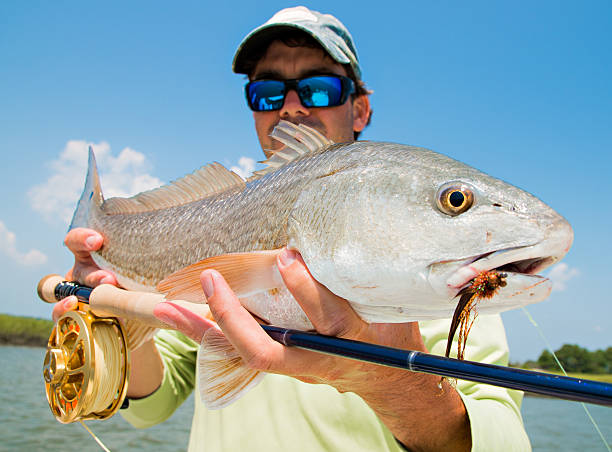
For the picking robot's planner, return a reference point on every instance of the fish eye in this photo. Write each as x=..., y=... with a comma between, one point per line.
x=454, y=198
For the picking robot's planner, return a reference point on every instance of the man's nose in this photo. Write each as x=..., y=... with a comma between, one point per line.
x=293, y=106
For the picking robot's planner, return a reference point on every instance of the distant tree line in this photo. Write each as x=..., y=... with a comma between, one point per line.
x=16, y=330
x=575, y=359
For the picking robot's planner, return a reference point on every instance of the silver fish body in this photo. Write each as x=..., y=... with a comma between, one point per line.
x=365, y=217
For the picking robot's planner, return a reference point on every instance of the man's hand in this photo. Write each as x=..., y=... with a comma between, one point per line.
x=81, y=242
x=414, y=408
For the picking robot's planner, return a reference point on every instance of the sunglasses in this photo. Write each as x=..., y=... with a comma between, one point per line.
x=317, y=91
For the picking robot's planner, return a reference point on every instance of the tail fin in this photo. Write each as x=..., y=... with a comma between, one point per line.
x=92, y=195
x=223, y=376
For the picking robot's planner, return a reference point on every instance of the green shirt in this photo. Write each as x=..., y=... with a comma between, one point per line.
x=284, y=413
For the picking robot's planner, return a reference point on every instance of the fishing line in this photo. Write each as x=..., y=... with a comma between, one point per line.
x=549, y=347
x=96, y=439
x=107, y=376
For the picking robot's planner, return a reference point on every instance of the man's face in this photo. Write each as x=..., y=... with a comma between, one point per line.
x=282, y=62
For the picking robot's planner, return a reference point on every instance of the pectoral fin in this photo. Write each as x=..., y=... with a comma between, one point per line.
x=246, y=274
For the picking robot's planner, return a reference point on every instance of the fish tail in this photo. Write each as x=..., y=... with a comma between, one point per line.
x=91, y=198
x=223, y=376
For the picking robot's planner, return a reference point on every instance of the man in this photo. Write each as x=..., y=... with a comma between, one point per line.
x=359, y=406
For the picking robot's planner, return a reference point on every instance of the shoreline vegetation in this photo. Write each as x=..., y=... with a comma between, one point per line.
x=35, y=332
x=30, y=331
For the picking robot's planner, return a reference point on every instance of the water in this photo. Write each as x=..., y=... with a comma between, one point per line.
x=558, y=425
x=26, y=422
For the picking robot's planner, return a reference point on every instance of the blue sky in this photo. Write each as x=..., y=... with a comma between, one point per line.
x=520, y=90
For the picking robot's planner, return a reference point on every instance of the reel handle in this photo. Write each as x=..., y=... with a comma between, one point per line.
x=107, y=300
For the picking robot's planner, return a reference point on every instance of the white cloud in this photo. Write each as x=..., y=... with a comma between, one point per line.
x=560, y=274
x=245, y=167
x=123, y=175
x=8, y=246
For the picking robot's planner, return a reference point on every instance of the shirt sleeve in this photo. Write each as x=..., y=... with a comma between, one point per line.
x=494, y=412
x=179, y=355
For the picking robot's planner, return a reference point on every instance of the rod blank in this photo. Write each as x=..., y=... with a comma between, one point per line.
x=579, y=390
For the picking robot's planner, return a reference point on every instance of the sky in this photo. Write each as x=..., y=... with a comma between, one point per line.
x=520, y=90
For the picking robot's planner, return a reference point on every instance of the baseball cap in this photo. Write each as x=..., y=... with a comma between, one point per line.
x=325, y=28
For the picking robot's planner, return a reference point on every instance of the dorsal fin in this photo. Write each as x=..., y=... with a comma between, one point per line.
x=298, y=140
x=207, y=181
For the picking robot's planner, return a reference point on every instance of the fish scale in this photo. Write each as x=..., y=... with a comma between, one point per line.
x=166, y=240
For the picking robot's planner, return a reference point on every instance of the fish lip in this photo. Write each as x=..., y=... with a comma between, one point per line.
x=526, y=260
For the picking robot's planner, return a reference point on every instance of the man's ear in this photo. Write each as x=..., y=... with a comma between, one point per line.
x=361, y=112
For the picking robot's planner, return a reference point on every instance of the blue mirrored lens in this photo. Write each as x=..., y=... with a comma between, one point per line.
x=317, y=91
x=321, y=91
x=266, y=95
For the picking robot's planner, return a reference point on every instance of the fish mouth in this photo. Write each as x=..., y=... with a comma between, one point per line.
x=524, y=261
x=493, y=273
x=520, y=265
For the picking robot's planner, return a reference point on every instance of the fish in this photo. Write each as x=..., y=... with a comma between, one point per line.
x=398, y=231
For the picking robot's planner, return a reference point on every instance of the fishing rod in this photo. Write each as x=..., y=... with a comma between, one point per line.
x=575, y=389
x=110, y=301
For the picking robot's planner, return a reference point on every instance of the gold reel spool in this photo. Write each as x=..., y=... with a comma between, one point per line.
x=86, y=367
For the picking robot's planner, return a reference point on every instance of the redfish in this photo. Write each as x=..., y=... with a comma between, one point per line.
x=397, y=230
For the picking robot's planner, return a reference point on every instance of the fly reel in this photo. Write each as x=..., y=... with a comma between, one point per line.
x=86, y=366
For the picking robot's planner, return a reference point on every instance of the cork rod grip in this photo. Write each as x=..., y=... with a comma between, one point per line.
x=46, y=288
x=107, y=300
